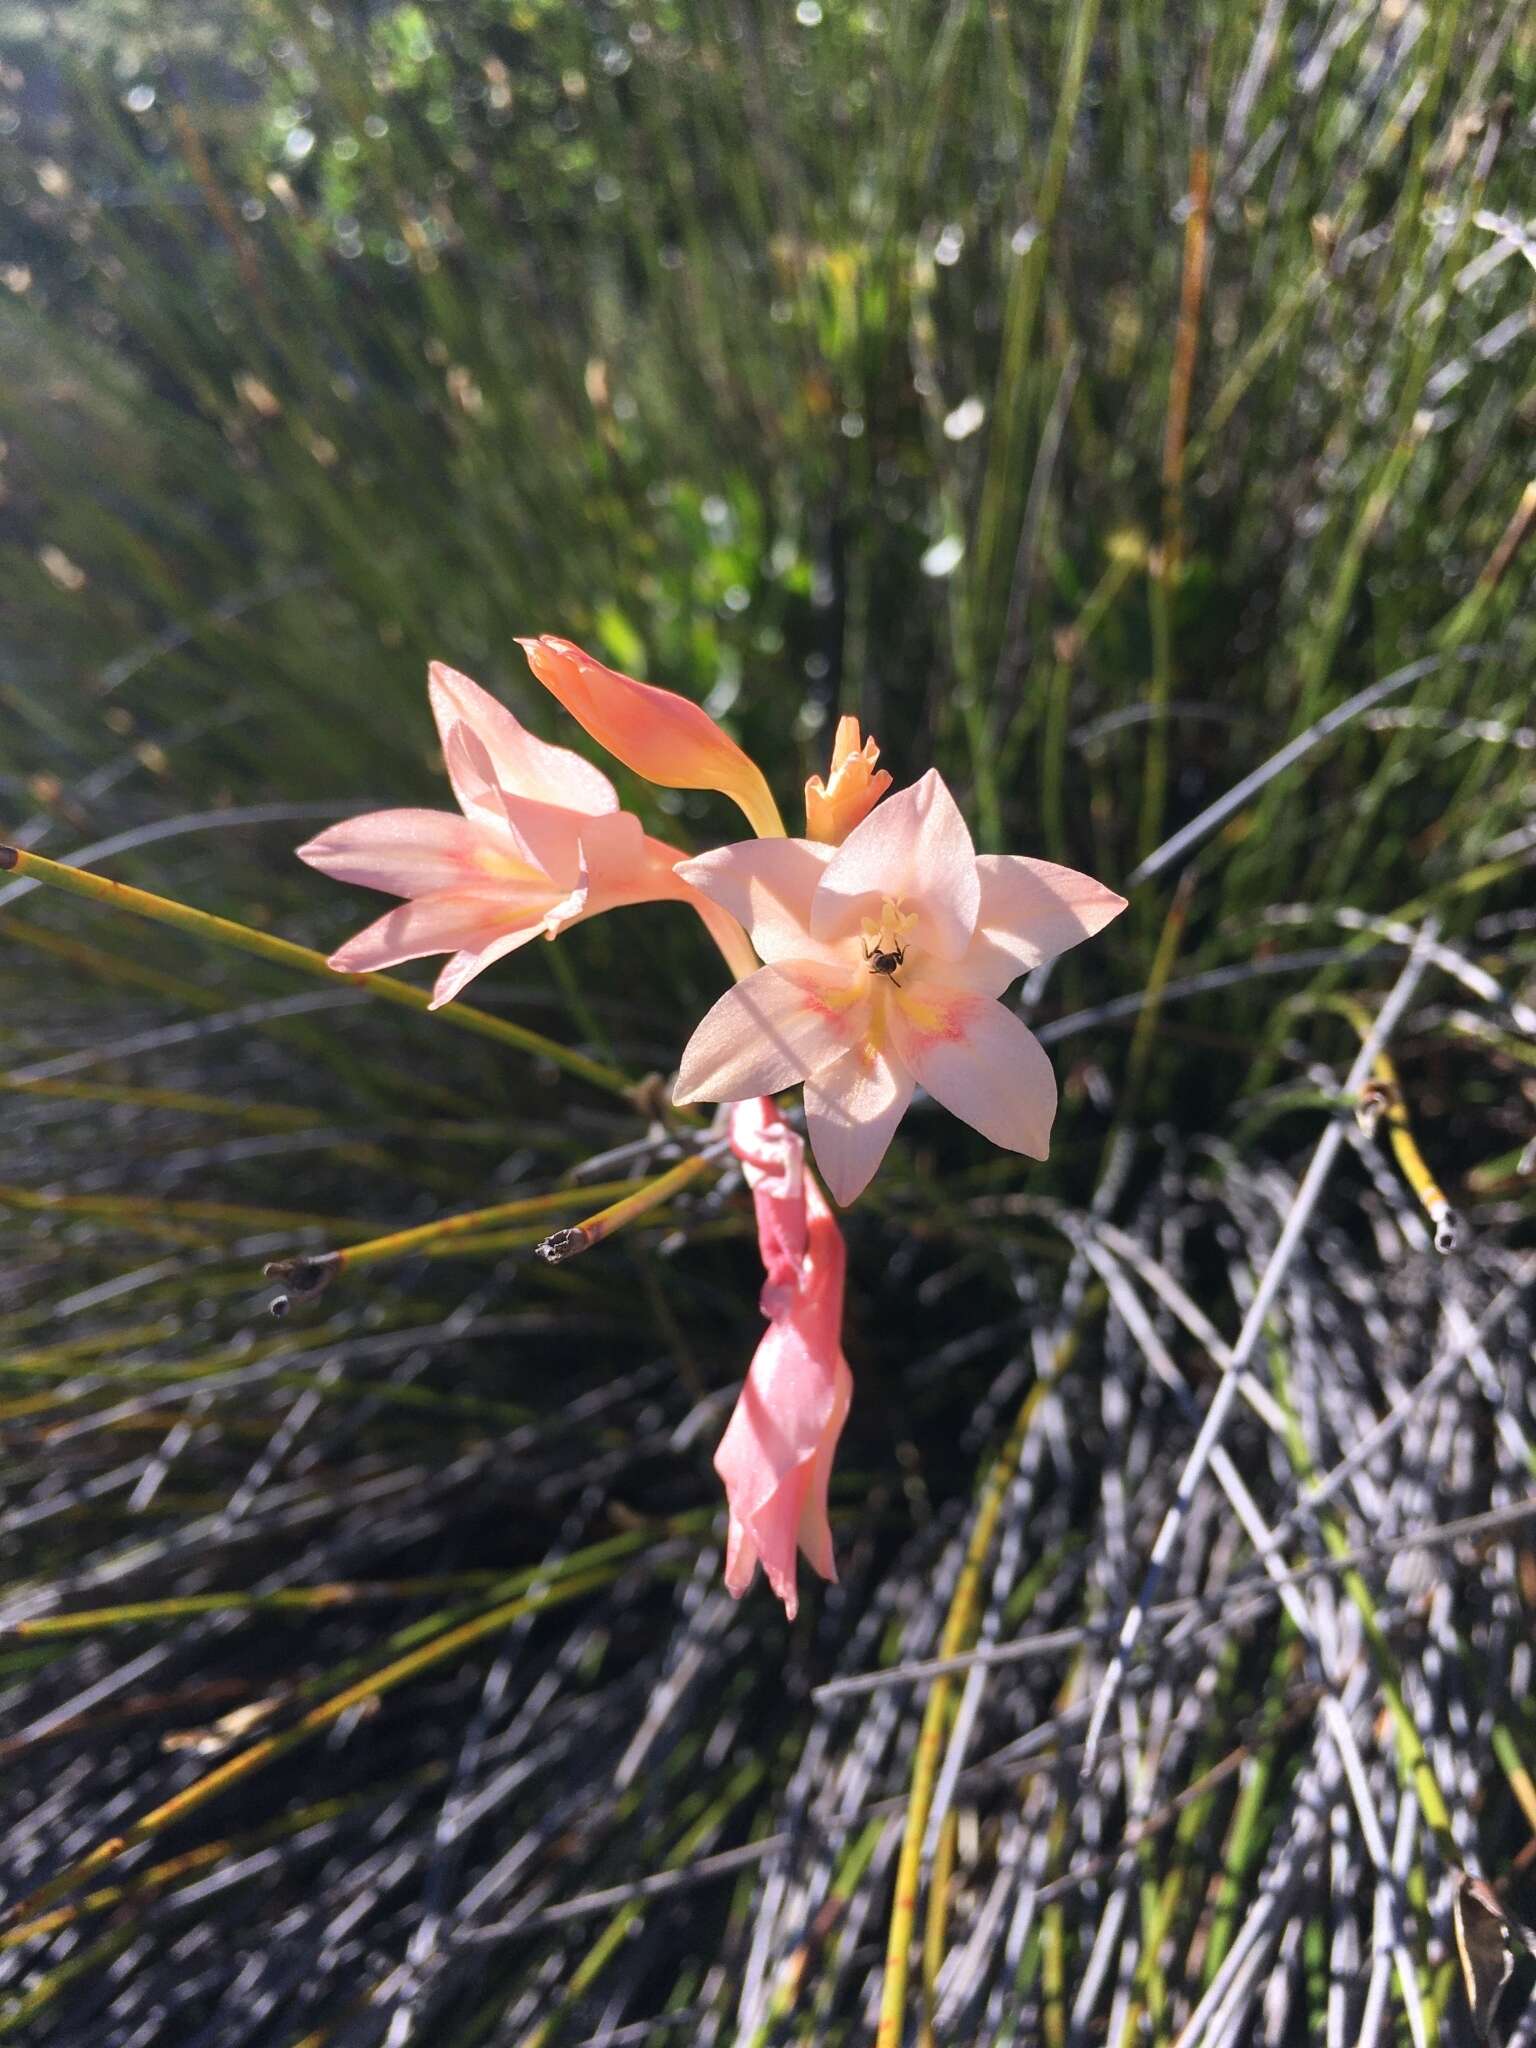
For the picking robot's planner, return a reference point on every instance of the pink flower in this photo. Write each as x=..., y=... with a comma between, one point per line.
x=666, y=738
x=775, y=1458
x=541, y=844
x=885, y=957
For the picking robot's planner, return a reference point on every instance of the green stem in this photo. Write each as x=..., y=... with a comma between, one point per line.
x=224, y=931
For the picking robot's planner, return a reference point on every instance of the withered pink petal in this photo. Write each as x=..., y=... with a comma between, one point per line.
x=775, y=1458
x=916, y=849
x=979, y=1061
x=524, y=765
x=813, y=1531
x=852, y=1108
x=774, y=1158
x=407, y=853
x=771, y=1030
x=767, y=885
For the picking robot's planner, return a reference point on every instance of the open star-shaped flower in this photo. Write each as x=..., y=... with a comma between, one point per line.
x=884, y=960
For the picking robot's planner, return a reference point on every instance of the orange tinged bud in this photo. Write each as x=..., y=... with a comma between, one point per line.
x=850, y=792
x=664, y=737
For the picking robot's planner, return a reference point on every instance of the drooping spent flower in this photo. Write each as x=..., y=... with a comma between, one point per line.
x=884, y=960
x=541, y=844
x=775, y=1459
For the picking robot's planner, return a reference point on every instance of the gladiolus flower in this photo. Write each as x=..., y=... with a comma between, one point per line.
x=775, y=1458
x=666, y=738
x=850, y=792
x=884, y=958
x=541, y=845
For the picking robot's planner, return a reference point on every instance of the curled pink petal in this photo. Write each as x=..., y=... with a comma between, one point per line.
x=914, y=849
x=775, y=1459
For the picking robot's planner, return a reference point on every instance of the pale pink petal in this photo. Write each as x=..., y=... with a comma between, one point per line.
x=979, y=1061
x=1031, y=910
x=540, y=836
x=447, y=922
x=914, y=849
x=770, y=1031
x=852, y=1108
x=524, y=765
x=767, y=885
x=458, y=972
x=613, y=849
x=408, y=853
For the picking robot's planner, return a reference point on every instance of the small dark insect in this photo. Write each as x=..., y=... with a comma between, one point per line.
x=885, y=963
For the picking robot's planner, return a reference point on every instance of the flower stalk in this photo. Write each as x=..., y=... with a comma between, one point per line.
x=226, y=931
x=580, y=1237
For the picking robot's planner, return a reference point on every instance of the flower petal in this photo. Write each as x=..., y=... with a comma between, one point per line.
x=1031, y=910
x=447, y=922
x=524, y=765
x=852, y=1108
x=458, y=972
x=914, y=849
x=412, y=853
x=666, y=738
x=978, y=1060
x=775, y=1460
x=771, y=1030
x=767, y=884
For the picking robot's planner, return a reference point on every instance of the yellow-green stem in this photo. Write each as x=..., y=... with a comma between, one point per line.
x=224, y=931
x=591, y=1230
